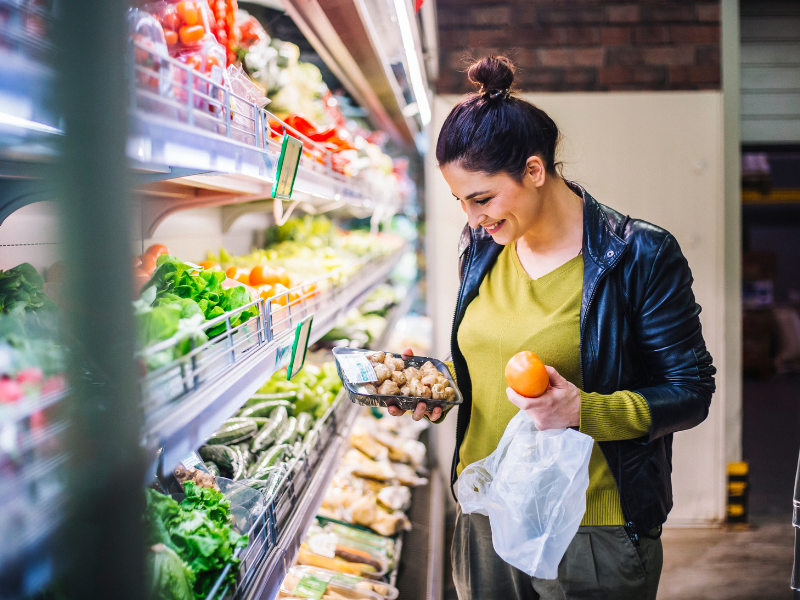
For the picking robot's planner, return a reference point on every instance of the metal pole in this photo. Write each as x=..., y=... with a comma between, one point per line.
x=796, y=522
x=103, y=538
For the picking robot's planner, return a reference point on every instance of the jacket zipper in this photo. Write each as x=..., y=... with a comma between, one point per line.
x=630, y=526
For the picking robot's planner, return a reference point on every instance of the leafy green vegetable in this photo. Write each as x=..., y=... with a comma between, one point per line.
x=179, y=298
x=22, y=288
x=316, y=388
x=199, y=531
x=168, y=576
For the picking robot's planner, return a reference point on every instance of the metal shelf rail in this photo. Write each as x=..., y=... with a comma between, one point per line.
x=187, y=399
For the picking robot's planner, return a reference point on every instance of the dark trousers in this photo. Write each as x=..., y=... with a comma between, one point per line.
x=600, y=563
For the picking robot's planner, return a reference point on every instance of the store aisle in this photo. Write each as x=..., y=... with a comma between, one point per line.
x=710, y=564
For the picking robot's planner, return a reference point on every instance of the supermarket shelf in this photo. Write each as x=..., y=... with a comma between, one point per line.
x=277, y=563
x=395, y=314
x=188, y=399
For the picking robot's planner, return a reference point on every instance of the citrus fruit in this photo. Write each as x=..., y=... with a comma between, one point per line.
x=157, y=250
x=263, y=275
x=526, y=375
x=239, y=274
x=148, y=263
x=209, y=265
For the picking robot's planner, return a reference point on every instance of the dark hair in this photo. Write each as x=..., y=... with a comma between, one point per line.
x=493, y=131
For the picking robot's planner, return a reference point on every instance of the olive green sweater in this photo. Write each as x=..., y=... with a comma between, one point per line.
x=513, y=312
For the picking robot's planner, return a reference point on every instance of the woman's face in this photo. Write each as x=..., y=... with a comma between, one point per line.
x=504, y=207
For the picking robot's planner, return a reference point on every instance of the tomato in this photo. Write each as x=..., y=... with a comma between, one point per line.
x=194, y=62
x=189, y=13
x=211, y=60
x=526, y=375
x=157, y=250
x=266, y=291
x=137, y=262
x=210, y=265
x=239, y=274
x=30, y=375
x=171, y=37
x=10, y=390
x=280, y=291
x=263, y=275
x=283, y=276
x=172, y=21
x=191, y=34
x=222, y=37
x=148, y=263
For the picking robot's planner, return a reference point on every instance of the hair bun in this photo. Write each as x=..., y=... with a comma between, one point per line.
x=493, y=73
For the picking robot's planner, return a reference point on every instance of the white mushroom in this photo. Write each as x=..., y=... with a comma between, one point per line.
x=411, y=373
x=377, y=357
x=389, y=388
x=418, y=390
x=367, y=388
x=382, y=372
x=428, y=380
x=437, y=391
x=405, y=391
x=449, y=393
x=395, y=364
x=398, y=377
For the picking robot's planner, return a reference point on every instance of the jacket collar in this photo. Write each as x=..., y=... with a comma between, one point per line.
x=601, y=242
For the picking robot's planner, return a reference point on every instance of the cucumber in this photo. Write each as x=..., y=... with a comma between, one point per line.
x=260, y=421
x=304, y=423
x=261, y=468
x=241, y=469
x=265, y=408
x=269, y=433
x=288, y=433
x=212, y=468
x=257, y=398
x=244, y=447
x=233, y=431
x=297, y=449
x=225, y=458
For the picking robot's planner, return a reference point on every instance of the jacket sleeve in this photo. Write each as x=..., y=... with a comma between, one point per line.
x=669, y=337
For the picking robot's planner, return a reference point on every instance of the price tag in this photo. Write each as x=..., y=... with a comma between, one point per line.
x=356, y=368
x=300, y=346
x=311, y=586
x=286, y=168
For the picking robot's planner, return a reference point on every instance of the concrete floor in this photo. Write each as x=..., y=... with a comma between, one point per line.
x=702, y=564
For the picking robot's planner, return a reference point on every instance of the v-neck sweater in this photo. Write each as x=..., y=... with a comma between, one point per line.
x=513, y=312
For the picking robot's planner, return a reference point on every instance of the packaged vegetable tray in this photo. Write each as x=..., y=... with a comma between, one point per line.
x=336, y=585
x=387, y=379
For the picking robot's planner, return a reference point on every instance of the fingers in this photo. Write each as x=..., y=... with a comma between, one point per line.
x=435, y=413
x=555, y=376
x=395, y=412
x=419, y=411
x=407, y=353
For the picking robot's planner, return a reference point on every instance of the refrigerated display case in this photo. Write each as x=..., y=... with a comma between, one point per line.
x=191, y=143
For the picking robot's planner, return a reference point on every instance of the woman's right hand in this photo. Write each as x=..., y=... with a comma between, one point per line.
x=421, y=409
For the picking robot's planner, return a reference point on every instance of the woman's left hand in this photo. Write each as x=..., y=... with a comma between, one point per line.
x=557, y=408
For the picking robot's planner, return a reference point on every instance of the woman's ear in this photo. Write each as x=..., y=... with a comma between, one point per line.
x=534, y=168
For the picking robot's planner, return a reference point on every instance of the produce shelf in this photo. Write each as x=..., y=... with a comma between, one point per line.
x=187, y=399
x=267, y=581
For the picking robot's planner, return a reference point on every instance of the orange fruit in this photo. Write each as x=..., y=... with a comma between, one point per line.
x=526, y=375
x=239, y=274
x=157, y=250
x=137, y=262
x=148, y=263
x=265, y=291
x=263, y=275
x=210, y=265
x=283, y=276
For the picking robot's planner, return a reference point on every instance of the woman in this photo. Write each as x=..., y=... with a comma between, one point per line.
x=606, y=302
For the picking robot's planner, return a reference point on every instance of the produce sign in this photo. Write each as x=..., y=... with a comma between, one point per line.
x=191, y=542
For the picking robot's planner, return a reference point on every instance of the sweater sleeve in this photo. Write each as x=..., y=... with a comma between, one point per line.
x=610, y=417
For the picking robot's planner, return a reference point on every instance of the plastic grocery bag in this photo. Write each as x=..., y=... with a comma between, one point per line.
x=533, y=489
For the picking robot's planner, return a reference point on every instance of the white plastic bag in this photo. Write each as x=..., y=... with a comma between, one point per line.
x=533, y=489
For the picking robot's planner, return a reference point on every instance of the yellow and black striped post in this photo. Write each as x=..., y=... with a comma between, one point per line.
x=738, y=492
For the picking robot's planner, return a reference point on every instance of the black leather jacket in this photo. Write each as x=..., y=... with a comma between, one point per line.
x=640, y=331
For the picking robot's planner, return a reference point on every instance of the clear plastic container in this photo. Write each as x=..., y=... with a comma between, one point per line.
x=349, y=586
x=152, y=72
x=186, y=23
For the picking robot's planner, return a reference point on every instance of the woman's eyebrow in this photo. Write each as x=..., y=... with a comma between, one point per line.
x=473, y=194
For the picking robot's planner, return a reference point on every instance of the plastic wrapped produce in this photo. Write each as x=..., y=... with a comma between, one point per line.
x=349, y=586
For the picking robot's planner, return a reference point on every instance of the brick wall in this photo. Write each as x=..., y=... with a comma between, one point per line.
x=583, y=45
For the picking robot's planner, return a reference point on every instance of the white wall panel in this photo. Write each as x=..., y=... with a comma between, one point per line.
x=653, y=155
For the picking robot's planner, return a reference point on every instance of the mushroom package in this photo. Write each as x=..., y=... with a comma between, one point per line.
x=395, y=379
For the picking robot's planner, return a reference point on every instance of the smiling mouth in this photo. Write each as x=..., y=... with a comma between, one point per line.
x=494, y=227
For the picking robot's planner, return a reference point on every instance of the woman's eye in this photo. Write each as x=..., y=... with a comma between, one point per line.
x=482, y=201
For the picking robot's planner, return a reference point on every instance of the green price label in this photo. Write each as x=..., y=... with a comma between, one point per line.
x=300, y=347
x=310, y=586
x=286, y=169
